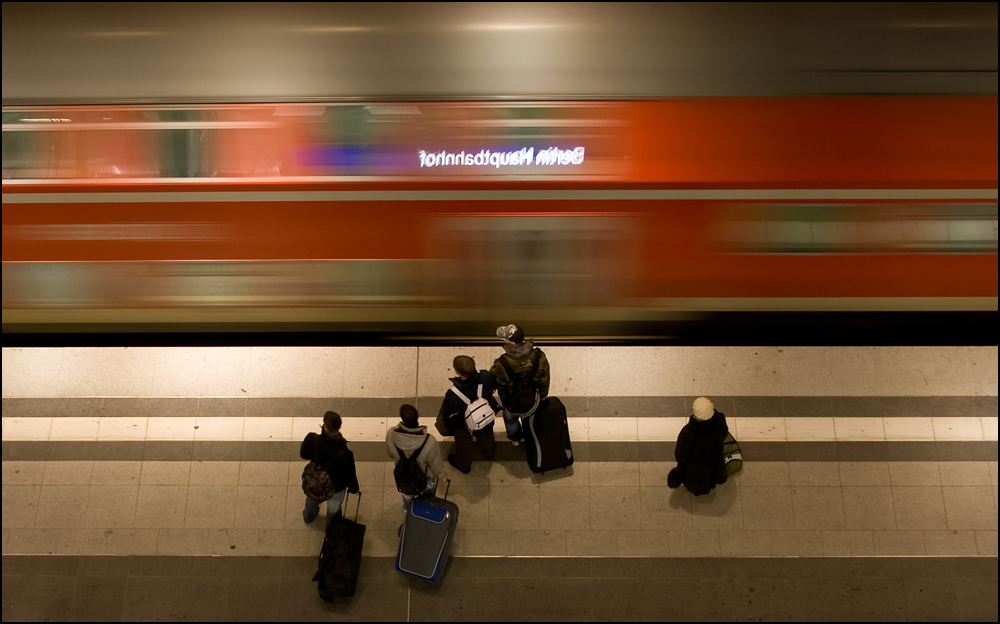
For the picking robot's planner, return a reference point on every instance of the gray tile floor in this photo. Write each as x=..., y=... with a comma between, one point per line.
x=174, y=494
x=607, y=508
x=123, y=588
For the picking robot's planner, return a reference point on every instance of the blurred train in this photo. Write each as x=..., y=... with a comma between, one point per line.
x=622, y=202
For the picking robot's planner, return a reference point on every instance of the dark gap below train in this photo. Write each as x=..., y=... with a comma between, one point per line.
x=717, y=329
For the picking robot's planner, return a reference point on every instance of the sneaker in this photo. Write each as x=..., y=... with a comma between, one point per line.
x=451, y=460
x=515, y=443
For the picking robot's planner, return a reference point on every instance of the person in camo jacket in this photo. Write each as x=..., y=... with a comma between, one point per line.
x=520, y=355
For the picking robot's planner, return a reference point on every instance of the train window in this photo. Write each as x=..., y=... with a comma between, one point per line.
x=238, y=141
x=17, y=149
x=382, y=140
x=147, y=142
x=39, y=146
x=349, y=138
x=857, y=228
x=180, y=145
x=258, y=141
x=75, y=143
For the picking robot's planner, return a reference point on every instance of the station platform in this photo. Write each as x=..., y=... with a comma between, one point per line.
x=166, y=482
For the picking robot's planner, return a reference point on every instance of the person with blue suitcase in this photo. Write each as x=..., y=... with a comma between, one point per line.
x=416, y=454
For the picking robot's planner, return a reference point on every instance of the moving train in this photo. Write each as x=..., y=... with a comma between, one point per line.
x=162, y=208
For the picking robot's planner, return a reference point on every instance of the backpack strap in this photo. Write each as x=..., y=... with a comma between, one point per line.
x=507, y=367
x=479, y=391
x=330, y=462
x=415, y=454
x=463, y=397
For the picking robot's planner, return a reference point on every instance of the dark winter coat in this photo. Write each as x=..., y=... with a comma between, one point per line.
x=699, y=453
x=453, y=408
x=342, y=471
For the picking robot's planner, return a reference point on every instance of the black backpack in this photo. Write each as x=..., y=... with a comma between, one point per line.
x=410, y=479
x=520, y=395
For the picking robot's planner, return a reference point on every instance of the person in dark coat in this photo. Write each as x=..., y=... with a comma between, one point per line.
x=453, y=413
x=328, y=448
x=700, y=459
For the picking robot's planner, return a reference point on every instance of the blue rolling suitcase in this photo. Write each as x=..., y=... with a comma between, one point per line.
x=425, y=537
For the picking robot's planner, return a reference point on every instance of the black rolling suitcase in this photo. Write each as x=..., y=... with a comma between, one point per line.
x=340, y=559
x=546, y=437
x=426, y=535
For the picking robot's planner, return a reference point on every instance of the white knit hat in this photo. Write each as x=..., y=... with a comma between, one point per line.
x=703, y=409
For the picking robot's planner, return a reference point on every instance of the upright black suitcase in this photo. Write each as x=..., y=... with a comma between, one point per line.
x=340, y=558
x=546, y=437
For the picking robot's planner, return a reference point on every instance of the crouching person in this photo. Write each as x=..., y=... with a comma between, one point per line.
x=701, y=463
x=461, y=405
x=417, y=456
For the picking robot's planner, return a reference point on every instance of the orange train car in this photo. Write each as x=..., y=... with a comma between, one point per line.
x=581, y=217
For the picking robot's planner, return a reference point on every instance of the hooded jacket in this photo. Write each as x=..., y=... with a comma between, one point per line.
x=699, y=453
x=519, y=358
x=409, y=439
x=322, y=448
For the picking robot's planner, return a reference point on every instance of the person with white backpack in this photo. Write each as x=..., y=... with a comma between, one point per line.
x=468, y=412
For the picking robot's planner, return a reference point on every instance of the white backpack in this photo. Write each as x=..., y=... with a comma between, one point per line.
x=478, y=413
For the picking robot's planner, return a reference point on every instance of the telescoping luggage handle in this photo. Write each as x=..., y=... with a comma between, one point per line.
x=356, y=509
x=446, y=488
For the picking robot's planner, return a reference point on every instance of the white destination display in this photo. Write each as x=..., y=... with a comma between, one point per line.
x=519, y=158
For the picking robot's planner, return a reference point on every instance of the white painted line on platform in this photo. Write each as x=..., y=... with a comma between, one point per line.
x=582, y=429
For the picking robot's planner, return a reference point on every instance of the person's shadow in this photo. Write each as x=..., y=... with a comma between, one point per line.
x=716, y=503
